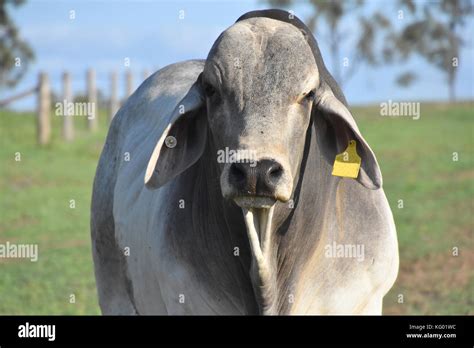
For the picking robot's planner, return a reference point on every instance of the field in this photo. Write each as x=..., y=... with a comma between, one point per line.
x=45, y=199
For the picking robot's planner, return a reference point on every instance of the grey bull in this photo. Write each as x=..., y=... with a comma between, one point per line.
x=177, y=228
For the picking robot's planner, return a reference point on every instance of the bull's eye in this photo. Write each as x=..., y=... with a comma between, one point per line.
x=306, y=98
x=309, y=96
x=209, y=90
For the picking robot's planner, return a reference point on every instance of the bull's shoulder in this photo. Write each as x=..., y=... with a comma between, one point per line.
x=159, y=94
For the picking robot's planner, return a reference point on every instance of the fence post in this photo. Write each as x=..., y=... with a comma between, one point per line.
x=129, y=79
x=114, y=102
x=68, y=120
x=43, y=128
x=92, y=99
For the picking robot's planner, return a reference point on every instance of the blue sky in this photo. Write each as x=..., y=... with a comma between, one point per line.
x=152, y=35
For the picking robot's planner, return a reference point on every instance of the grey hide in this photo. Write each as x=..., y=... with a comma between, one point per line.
x=176, y=231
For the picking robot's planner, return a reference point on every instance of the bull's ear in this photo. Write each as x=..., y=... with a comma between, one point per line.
x=182, y=142
x=339, y=128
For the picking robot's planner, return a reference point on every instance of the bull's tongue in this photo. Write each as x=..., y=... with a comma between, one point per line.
x=259, y=222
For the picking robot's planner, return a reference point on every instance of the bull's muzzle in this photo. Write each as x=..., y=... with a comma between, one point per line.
x=255, y=183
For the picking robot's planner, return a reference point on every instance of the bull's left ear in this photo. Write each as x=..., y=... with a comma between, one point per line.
x=341, y=127
x=182, y=142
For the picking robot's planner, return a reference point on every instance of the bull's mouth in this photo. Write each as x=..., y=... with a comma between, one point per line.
x=254, y=202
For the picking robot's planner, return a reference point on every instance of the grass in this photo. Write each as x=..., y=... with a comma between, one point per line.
x=35, y=208
x=416, y=157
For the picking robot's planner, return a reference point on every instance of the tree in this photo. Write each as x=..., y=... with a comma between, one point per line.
x=15, y=54
x=433, y=34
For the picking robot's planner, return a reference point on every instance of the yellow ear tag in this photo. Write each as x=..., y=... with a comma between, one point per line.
x=347, y=164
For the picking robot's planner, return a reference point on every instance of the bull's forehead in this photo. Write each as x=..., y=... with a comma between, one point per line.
x=262, y=58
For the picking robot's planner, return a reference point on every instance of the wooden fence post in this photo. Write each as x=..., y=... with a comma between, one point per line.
x=92, y=99
x=68, y=117
x=129, y=80
x=43, y=128
x=114, y=102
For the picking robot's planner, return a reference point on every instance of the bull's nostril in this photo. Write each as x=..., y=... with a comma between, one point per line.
x=237, y=172
x=276, y=171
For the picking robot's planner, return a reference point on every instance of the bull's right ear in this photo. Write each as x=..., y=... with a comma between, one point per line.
x=182, y=142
